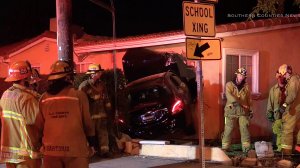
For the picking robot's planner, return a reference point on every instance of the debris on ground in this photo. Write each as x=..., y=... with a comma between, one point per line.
x=284, y=164
x=250, y=159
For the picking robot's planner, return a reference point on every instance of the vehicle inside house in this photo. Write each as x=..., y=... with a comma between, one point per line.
x=161, y=90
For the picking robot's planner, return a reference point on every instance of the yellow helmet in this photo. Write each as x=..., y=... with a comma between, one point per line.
x=284, y=68
x=93, y=68
x=241, y=71
x=35, y=76
x=18, y=70
x=59, y=70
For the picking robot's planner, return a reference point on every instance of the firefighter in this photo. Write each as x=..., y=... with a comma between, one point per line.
x=238, y=108
x=99, y=106
x=35, y=80
x=276, y=99
x=19, y=136
x=290, y=109
x=65, y=122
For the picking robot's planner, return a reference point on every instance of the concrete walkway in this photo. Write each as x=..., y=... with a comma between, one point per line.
x=135, y=162
x=129, y=162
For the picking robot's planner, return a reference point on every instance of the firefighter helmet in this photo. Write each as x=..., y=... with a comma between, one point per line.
x=59, y=70
x=18, y=70
x=284, y=68
x=241, y=71
x=35, y=76
x=93, y=68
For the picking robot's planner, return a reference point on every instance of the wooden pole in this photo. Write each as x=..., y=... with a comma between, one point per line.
x=64, y=36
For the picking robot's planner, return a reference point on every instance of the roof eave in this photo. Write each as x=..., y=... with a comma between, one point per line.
x=170, y=39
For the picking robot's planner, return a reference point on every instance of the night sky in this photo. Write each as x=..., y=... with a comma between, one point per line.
x=21, y=19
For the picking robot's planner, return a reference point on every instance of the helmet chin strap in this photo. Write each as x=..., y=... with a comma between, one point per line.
x=25, y=82
x=69, y=78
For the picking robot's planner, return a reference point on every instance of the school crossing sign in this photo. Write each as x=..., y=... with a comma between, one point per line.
x=199, y=19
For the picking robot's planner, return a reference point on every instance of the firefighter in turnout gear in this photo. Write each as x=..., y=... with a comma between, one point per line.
x=290, y=109
x=238, y=108
x=276, y=99
x=99, y=106
x=65, y=121
x=19, y=136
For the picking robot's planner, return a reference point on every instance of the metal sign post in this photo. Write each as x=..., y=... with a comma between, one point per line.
x=199, y=20
x=200, y=108
x=201, y=111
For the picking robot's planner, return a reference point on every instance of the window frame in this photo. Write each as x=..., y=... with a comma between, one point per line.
x=81, y=64
x=255, y=66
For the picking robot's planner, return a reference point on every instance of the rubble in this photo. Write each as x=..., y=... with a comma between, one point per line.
x=284, y=164
x=249, y=162
x=251, y=154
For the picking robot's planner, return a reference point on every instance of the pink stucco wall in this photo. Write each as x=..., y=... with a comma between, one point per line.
x=275, y=48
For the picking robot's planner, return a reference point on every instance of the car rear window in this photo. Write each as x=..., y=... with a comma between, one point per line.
x=147, y=95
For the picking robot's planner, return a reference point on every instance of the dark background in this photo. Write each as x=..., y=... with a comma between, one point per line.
x=21, y=19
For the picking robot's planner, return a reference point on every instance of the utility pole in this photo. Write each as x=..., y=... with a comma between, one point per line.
x=64, y=36
x=111, y=9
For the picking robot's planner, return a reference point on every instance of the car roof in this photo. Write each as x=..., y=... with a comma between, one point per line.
x=142, y=62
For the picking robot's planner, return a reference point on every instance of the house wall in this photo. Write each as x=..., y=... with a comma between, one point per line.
x=42, y=55
x=105, y=59
x=4, y=68
x=275, y=48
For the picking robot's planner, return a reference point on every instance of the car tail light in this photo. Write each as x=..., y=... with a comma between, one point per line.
x=177, y=107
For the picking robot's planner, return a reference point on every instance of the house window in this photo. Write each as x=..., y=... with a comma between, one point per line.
x=82, y=67
x=236, y=58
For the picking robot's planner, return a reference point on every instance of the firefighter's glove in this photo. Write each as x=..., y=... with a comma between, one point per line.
x=235, y=104
x=277, y=114
x=270, y=116
x=92, y=151
x=92, y=141
x=282, y=108
x=250, y=114
x=108, y=106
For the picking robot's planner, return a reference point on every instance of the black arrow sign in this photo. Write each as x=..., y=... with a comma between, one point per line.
x=199, y=50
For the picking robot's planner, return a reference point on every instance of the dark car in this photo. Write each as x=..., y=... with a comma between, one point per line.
x=160, y=99
x=142, y=62
x=158, y=105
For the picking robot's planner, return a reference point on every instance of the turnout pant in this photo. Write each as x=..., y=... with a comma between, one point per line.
x=229, y=126
x=277, y=130
x=288, y=127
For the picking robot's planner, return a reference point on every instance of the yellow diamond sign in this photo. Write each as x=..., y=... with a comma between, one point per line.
x=203, y=49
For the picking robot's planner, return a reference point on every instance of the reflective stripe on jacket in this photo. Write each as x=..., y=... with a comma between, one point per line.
x=65, y=122
x=20, y=109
